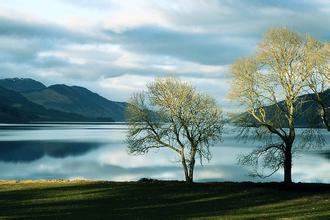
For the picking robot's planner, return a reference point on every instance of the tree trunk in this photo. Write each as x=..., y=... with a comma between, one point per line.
x=191, y=170
x=288, y=143
x=192, y=163
x=185, y=168
x=323, y=110
x=324, y=117
x=189, y=180
x=287, y=164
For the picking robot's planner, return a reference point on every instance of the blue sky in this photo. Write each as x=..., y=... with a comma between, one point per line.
x=115, y=47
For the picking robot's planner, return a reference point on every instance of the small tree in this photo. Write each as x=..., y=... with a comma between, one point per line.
x=280, y=70
x=172, y=114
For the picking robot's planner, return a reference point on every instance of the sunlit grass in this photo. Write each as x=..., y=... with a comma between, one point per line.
x=93, y=199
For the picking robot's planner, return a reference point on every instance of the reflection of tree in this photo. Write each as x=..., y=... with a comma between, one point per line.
x=26, y=151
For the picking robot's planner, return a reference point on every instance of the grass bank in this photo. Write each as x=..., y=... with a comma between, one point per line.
x=162, y=200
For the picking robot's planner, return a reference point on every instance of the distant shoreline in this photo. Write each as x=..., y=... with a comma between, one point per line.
x=149, y=181
x=114, y=123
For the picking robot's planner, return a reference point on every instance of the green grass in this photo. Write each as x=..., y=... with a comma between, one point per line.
x=162, y=200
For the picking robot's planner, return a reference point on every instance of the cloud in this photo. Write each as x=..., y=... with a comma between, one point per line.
x=93, y=43
x=244, y=18
x=210, y=49
x=15, y=49
x=42, y=48
x=19, y=28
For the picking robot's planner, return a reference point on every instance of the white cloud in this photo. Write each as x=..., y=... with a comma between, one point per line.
x=115, y=47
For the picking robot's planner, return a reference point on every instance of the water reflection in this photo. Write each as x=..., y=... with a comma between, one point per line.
x=27, y=151
x=326, y=154
x=98, y=151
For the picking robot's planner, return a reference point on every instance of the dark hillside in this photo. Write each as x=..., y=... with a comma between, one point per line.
x=16, y=108
x=21, y=84
x=308, y=112
x=78, y=100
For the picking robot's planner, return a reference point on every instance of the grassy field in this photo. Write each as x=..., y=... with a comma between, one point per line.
x=162, y=200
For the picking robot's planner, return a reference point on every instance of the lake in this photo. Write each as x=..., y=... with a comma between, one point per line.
x=98, y=151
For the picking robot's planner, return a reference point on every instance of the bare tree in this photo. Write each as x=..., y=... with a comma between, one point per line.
x=317, y=60
x=279, y=71
x=172, y=114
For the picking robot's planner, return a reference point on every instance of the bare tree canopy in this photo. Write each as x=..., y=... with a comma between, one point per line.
x=172, y=114
x=281, y=69
x=318, y=63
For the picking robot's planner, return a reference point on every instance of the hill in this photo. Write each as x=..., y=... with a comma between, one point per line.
x=16, y=108
x=311, y=117
x=21, y=84
x=308, y=112
x=74, y=100
x=79, y=100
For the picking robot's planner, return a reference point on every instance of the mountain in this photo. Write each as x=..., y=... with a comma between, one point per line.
x=66, y=99
x=16, y=108
x=21, y=84
x=78, y=100
x=310, y=111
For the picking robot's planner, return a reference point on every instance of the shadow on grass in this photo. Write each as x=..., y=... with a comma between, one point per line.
x=164, y=200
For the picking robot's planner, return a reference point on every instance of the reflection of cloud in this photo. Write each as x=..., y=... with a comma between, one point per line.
x=75, y=167
x=121, y=156
x=113, y=163
x=228, y=172
x=89, y=166
x=312, y=168
x=77, y=153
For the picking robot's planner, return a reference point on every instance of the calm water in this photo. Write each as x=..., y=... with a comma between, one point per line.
x=98, y=151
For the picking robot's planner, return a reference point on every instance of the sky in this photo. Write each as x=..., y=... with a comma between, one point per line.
x=116, y=47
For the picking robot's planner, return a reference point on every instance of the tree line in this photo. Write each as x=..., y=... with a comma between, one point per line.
x=268, y=85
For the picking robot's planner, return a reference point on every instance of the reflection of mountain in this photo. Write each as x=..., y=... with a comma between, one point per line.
x=79, y=102
x=26, y=151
